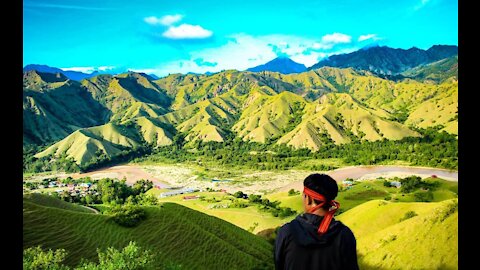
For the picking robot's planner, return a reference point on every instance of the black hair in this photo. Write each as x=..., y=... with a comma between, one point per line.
x=322, y=184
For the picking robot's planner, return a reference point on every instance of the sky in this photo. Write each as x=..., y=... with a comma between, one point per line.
x=162, y=37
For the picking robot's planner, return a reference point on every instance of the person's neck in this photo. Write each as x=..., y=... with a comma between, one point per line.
x=319, y=212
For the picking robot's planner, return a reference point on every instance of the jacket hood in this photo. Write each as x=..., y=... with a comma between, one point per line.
x=305, y=226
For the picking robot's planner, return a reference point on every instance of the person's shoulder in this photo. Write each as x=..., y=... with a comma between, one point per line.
x=344, y=229
x=286, y=227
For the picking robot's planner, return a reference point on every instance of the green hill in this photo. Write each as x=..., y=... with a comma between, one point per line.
x=48, y=201
x=436, y=72
x=440, y=110
x=174, y=233
x=340, y=117
x=269, y=116
x=304, y=110
x=128, y=95
x=54, y=107
x=405, y=235
x=85, y=144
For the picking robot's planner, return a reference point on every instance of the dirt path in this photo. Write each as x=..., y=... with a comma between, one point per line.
x=90, y=208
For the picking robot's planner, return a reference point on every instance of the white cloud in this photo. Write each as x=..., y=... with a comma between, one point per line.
x=187, y=31
x=152, y=20
x=170, y=19
x=88, y=69
x=244, y=51
x=336, y=38
x=165, y=20
x=104, y=68
x=80, y=69
x=368, y=36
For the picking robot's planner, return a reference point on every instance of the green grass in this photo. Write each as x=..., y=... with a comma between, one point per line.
x=245, y=218
x=428, y=240
x=294, y=201
x=174, y=233
x=51, y=202
x=364, y=191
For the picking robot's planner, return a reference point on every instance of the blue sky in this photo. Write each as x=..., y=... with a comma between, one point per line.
x=166, y=36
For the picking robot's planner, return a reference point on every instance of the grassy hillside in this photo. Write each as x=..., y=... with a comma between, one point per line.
x=435, y=72
x=128, y=95
x=266, y=116
x=440, y=110
x=341, y=118
x=86, y=144
x=304, y=110
x=173, y=233
x=49, y=201
x=427, y=238
x=374, y=189
x=54, y=107
x=257, y=220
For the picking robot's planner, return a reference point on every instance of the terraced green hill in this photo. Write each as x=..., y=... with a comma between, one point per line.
x=128, y=95
x=174, y=233
x=405, y=235
x=340, y=117
x=435, y=72
x=48, y=201
x=303, y=110
x=85, y=144
x=54, y=107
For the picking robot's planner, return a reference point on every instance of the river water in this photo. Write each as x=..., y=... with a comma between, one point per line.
x=357, y=172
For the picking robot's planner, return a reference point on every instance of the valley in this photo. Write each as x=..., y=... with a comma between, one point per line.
x=202, y=169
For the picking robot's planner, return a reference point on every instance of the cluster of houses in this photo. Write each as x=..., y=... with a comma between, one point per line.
x=81, y=189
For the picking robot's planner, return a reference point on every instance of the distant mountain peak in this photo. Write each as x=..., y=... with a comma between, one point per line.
x=43, y=77
x=388, y=61
x=70, y=74
x=282, y=64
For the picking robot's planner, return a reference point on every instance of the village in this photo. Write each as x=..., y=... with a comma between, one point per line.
x=78, y=188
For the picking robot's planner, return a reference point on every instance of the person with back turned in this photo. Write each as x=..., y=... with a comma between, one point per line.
x=314, y=239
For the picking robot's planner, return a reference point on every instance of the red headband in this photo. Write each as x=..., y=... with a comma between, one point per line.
x=328, y=217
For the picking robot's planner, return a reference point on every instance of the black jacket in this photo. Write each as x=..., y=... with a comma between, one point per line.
x=299, y=246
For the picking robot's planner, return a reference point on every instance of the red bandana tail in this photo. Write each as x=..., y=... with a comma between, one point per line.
x=322, y=229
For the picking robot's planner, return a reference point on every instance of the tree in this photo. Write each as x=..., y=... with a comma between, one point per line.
x=127, y=215
x=238, y=194
x=292, y=192
x=35, y=258
x=131, y=257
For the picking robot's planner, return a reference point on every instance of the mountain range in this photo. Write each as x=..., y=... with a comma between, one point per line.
x=385, y=60
x=112, y=113
x=73, y=75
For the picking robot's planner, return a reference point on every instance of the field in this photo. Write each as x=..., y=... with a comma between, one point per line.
x=189, y=238
x=249, y=218
x=199, y=241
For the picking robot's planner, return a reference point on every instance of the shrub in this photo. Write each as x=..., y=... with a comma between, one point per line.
x=127, y=215
x=408, y=215
x=423, y=196
x=293, y=192
x=131, y=258
x=238, y=194
x=35, y=258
